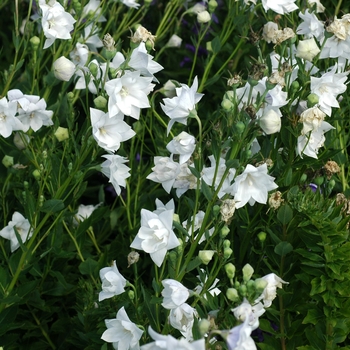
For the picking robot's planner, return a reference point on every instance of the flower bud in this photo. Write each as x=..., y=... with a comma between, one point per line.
x=206, y=256
x=226, y=243
x=307, y=49
x=251, y=287
x=242, y=290
x=63, y=68
x=227, y=105
x=36, y=174
x=227, y=253
x=260, y=285
x=169, y=89
x=270, y=122
x=303, y=178
x=262, y=236
x=212, y=5
x=174, y=41
x=331, y=184
x=149, y=45
x=61, y=134
x=131, y=294
x=230, y=270
x=21, y=140
x=216, y=210
x=232, y=294
x=239, y=127
x=100, y=102
x=7, y=161
x=203, y=326
x=294, y=86
x=208, y=46
x=93, y=69
x=319, y=180
x=247, y=272
x=224, y=232
x=35, y=42
x=312, y=100
x=133, y=258
x=203, y=17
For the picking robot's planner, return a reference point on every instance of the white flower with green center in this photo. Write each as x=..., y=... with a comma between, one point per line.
x=8, y=121
x=128, y=94
x=182, y=319
x=156, y=235
x=109, y=132
x=174, y=293
x=252, y=186
x=23, y=228
x=123, y=333
x=183, y=144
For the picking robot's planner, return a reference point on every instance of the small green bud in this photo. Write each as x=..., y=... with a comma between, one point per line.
x=176, y=218
x=242, y=290
x=70, y=97
x=226, y=243
x=227, y=253
x=100, y=102
x=312, y=100
x=61, y=134
x=319, y=180
x=295, y=86
x=26, y=184
x=41, y=201
x=247, y=272
x=303, y=178
x=7, y=161
x=149, y=45
x=240, y=127
x=224, y=232
x=206, y=256
x=203, y=326
x=212, y=5
x=262, y=236
x=331, y=184
x=93, y=69
x=227, y=105
x=232, y=294
x=230, y=270
x=131, y=294
x=35, y=42
x=216, y=210
x=260, y=285
x=208, y=46
x=237, y=284
x=36, y=174
x=251, y=287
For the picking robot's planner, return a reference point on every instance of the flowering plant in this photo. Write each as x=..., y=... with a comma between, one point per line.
x=174, y=174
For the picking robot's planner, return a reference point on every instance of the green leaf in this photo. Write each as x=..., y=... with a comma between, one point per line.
x=88, y=267
x=193, y=264
x=313, y=316
x=288, y=178
x=283, y=248
x=195, y=172
x=216, y=45
x=207, y=191
x=318, y=285
x=52, y=206
x=285, y=214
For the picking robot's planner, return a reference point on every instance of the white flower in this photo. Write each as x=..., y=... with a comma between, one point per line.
x=311, y=26
x=109, y=132
x=252, y=186
x=174, y=294
x=279, y=6
x=307, y=49
x=93, y=8
x=128, y=94
x=185, y=180
x=253, y=313
x=63, y=68
x=130, y=3
x=218, y=171
x=196, y=225
x=319, y=6
x=269, y=293
x=79, y=55
x=165, y=171
x=113, y=283
x=270, y=122
x=309, y=144
x=115, y=169
x=213, y=290
x=56, y=23
x=168, y=342
x=8, y=121
x=141, y=61
x=179, y=107
x=23, y=228
x=91, y=37
x=163, y=207
x=183, y=144
x=93, y=80
x=328, y=87
x=123, y=333
x=156, y=235
x=197, y=8
x=182, y=318
x=174, y=41
x=311, y=119
x=238, y=338
x=84, y=212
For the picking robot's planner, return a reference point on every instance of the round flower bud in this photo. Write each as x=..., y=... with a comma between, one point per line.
x=227, y=105
x=93, y=69
x=312, y=100
x=70, y=97
x=131, y=294
x=61, y=134
x=216, y=210
x=224, y=232
x=208, y=46
x=242, y=290
x=21, y=140
x=319, y=180
x=331, y=184
x=303, y=178
x=206, y=256
x=203, y=326
x=63, y=68
x=35, y=42
x=232, y=294
x=203, y=17
x=227, y=253
x=251, y=287
x=262, y=236
x=230, y=270
x=226, y=243
x=240, y=127
x=270, y=122
x=247, y=272
x=7, y=161
x=174, y=41
x=212, y=5
x=36, y=174
x=294, y=86
x=100, y=102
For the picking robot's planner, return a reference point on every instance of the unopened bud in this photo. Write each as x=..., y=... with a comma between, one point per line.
x=224, y=231
x=61, y=134
x=230, y=270
x=93, y=69
x=226, y=243
x=63, y=68
x=203, y=326
x=35, y=42
x=131, y=294
x=36, y=174
x=203, y=17
x=21, y=140
x=247, y=272
x=312, y=100
x=212, y=5
x=262, y=236
x=227, y=105
x=260, y=285
x=242, y=290
x=227, y=253
x=232, y=294
x=100, y=102
x=206, y=256
x=7, y=161
x=251, y=287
